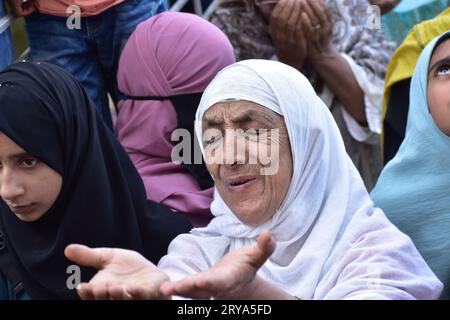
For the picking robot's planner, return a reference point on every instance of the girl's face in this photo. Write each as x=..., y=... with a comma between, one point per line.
x=28, y=186
x=439, y=86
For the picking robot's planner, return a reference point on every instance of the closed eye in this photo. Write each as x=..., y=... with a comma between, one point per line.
x=211, y=136
x=211, y=140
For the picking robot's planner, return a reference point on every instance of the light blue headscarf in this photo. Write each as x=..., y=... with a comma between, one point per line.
x=414, y=187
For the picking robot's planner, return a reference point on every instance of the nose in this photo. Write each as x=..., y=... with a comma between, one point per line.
x=234, y=148
x=10, y=186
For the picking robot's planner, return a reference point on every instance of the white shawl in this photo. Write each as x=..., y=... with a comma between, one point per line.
x=331, y=242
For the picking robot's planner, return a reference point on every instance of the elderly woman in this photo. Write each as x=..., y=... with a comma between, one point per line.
x=331, y=243
x=333, y=44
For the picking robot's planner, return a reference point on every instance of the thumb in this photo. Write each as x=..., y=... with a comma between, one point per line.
x=97, y=258
x=264, y=248
x=167, y=289
x=266, y=243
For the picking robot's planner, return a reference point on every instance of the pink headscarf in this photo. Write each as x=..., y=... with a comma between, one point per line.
x=169, y=54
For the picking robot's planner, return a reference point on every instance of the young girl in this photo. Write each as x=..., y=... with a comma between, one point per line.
x=413, y=188
x=63, y=178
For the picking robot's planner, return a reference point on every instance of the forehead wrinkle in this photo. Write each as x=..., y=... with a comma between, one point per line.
x=255, y=112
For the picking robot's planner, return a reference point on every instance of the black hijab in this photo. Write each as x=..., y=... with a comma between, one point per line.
x=102, y=202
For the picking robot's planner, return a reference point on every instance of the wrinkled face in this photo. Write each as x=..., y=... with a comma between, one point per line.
x=248, y=153
x=439, y=86
x=28, y=186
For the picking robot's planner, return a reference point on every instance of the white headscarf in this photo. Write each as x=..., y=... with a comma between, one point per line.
x=326, y=218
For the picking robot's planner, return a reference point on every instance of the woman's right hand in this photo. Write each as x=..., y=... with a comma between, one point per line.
x=123, y=274
x=232, y=277
x=287, y=34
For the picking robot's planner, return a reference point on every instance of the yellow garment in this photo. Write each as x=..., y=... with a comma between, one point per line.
x=404, y=59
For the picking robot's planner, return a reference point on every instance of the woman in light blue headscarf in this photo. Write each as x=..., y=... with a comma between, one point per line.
x=414, y=187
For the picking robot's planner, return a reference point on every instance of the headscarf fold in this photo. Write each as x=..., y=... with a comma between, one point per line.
x=170, y=54
x=102, y=201
x=331, y=242
x=413, y=188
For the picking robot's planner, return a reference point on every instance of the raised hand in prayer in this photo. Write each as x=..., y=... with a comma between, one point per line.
x=328, y=62
x=318, y=26
x=287, y=34
x=124, y=274
x=233, y=277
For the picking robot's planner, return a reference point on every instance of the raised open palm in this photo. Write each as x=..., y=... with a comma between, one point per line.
x=123, y=274
x=231, y=278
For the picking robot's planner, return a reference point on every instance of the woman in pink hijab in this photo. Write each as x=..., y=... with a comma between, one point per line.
x=165, y=66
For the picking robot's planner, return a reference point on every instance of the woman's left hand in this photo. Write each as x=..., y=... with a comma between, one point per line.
x=233, y=277
x=318, y=26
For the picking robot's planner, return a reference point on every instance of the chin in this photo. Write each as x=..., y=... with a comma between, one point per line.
x=24, y=218
x=251, y=217
x=29, y=217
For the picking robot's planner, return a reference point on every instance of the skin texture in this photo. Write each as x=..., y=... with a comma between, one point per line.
x=439, y=86
x=256, y=201
x=26, y=182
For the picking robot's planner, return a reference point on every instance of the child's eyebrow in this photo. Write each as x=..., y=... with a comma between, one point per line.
x=439, y=62
x=19, y=155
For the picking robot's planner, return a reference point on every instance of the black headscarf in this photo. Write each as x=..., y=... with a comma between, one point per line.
x=102, y=202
